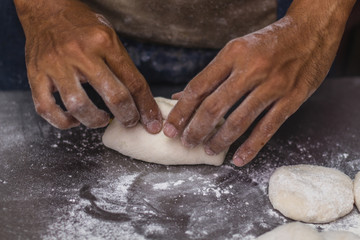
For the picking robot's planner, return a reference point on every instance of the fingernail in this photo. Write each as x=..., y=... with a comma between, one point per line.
x=208, y=151
x=238, y=161
x=186, y=144
x=154, y=126
x=130, y=124
x=170, y=130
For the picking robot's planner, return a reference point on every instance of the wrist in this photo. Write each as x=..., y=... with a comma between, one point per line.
x=321, y=13
x=322, y=21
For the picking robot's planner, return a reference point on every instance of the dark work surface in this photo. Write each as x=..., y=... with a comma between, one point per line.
x=66, y=185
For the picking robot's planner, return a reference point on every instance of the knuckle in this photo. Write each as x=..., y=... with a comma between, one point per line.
x=238, y=124
x=42, y=108
x=102, y=35
x=75, y=103
x=137, y=86
x=268, y=129
x=226, y=139
x=194, y=92
x=118, y=98
x=213, y=109
x=235, y=46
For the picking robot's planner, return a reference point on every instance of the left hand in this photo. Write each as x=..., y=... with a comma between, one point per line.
x=276, y=69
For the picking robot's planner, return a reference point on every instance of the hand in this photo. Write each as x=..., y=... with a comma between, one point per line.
x=275, y=69
x=67, y=44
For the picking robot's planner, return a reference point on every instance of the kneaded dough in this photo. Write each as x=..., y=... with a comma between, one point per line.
x=339, y=235
x=312, y=194
x=300, y=231
x=156, y=148
x=292, y=231
x=357, y=190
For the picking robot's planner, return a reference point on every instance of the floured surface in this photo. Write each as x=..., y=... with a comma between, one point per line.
x=46, y=176
x=156, y=148
x=310, y=193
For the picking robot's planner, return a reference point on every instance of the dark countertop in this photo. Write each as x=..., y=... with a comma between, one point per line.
x=65, y=184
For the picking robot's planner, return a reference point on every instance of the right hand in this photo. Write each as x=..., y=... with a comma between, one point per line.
x=67, y=44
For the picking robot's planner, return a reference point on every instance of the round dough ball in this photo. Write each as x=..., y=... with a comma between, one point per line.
x=312, y=194
x=292, y=231
x=339, y=235
x=357, y=190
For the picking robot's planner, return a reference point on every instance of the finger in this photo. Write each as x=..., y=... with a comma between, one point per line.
x=76, y=100
x=45, y=104
x=214, y=107
x=115, y=95
x=266, y=128
x=194, y=93
x=177, y=96
x=121, y=64
x=241, y=119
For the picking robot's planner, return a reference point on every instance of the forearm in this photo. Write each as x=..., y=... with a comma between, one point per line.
x=322, y=24
x=329, y=16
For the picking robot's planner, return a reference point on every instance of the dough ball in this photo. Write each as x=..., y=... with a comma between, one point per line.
x=156, y=148
x=312, y=194
x=357, y=190
x=292, y=231
x=300, y=231
x=339, y=235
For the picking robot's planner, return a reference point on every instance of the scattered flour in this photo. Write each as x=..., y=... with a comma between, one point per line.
x=191, y=202
x=161, y=186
